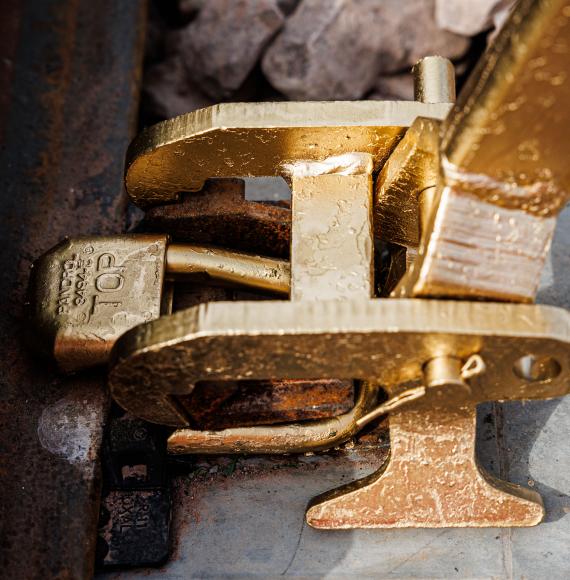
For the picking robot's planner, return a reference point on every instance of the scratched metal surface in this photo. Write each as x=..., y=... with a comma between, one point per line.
x=246, y=520
x=68, y=97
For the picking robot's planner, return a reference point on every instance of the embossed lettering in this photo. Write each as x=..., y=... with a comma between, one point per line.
x=109, y=282
x=105, y=262
x=74, y=283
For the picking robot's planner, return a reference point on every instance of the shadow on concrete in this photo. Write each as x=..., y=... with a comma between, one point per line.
x=508, y=433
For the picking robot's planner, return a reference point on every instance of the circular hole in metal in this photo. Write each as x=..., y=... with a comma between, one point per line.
x=533, y=368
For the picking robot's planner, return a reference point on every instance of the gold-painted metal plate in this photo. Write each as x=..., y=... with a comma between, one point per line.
x=331, y=237
x=506, y=139
x=504, y=166
x=412, y=168
x=258, y=139
x=386, y=341
x=431, y=480
x=87, y=291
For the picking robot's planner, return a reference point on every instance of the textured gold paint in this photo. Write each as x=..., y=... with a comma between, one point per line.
x=260, y=139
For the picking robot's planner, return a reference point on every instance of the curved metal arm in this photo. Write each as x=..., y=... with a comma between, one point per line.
x=293, y=437
x=277, y=439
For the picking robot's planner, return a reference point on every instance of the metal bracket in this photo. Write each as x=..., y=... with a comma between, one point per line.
x=430, y=480
x=333, y=326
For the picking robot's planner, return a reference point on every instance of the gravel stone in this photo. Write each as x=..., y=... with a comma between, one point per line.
x=336, y=49
x=398, y=87
x=225, y=41
x=467, y=17
x=168, y=92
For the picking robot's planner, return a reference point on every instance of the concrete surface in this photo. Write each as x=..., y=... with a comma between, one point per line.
x=250, y=523
x=266, y=189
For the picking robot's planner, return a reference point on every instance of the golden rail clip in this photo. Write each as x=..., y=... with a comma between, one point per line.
x=481, y=207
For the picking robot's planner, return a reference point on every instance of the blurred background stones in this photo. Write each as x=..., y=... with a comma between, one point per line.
x=201, y=52
x=470, y=17
x=222, y=45
x=336, y=49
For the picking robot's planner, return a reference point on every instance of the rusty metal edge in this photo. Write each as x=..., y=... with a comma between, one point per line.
x=69, y=109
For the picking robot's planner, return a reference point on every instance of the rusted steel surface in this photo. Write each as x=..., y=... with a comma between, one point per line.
x=219, y=214
x=9, y=26
x=221, y=405
x=68, y=113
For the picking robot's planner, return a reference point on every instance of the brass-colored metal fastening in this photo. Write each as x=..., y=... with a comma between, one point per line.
x=434, y=80
x=260, y=139
x=389, y=341
x=431, y=479
x=86, y=292
x=409, y=177
x=437, y=359
x=504, y=166
x=293, y=437
x=485, y=231
x=274, y=139
x=451, y=371
x=278, y=439
x=407, y=181
x=235, y=268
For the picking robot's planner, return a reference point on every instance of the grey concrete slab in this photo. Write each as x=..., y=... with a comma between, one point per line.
x=536, y=443
x=266, y=189
x=252, y=524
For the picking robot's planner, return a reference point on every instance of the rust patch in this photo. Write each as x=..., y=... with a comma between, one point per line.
x=67, y=115
x=222, y=405
x=219, y=214
x=225, y=404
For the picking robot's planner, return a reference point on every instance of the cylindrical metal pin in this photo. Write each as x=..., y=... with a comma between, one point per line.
x=236, y=268
x=447, y=370
x=443, y=371
x=434, y=80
